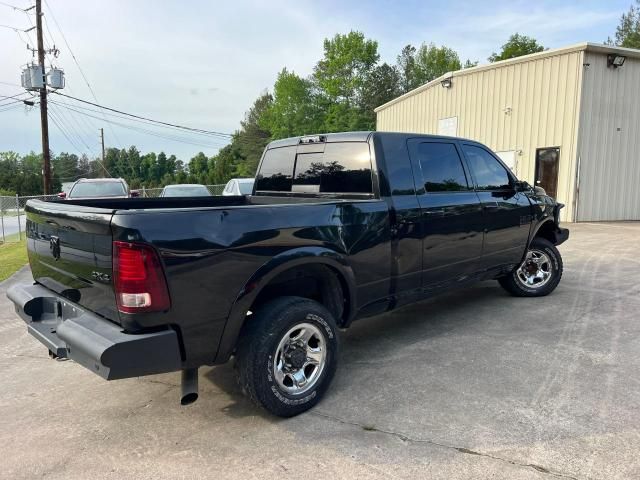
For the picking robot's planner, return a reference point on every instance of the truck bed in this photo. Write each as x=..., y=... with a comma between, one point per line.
x=201, y=202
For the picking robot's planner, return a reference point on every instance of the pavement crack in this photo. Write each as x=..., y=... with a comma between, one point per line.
x=467, y=451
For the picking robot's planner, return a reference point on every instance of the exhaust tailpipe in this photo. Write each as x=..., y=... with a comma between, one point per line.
x=189, y=386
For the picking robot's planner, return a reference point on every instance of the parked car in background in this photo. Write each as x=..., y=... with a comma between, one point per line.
x=66, y=187
x=340, y=227
x=99, y=188
x=238, y=186
x=185, y=190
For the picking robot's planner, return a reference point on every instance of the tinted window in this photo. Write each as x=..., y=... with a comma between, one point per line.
x=342, y=168
x=276, y=170
x=98, y=189
x=398, y=166
x=488, y=172
x=186, y=191
x=441, y=167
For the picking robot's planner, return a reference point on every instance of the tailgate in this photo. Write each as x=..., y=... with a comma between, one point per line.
x=70, y=253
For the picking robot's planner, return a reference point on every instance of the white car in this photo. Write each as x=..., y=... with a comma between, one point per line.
x=238, y=186
x=185, y=190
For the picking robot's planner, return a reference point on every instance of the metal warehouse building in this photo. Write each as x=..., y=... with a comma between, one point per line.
x=567, y=119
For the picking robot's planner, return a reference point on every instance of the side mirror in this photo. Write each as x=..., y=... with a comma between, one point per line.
x=62, y=195
x=134, y=193
x=520, y=186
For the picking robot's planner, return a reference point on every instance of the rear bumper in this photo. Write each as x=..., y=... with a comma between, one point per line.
x=69, y=331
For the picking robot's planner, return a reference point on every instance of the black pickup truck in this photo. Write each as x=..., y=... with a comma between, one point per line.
x=339, y=227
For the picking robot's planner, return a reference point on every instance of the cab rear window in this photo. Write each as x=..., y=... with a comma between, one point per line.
x=276, y=170
x=341, y=168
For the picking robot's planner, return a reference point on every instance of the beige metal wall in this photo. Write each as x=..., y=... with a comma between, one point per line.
x=512, y=105
x=609, y=141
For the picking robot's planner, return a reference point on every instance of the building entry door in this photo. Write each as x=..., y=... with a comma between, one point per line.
x=547, y=160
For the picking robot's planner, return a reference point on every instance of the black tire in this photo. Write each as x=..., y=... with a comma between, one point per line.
x=514, y=286
x=255, y=354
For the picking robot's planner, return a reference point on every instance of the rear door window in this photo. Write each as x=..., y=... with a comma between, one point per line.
x=441, y=167
x=276, y=170
x=341, y=168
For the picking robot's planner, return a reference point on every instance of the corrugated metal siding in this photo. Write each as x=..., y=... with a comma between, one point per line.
x=543, y=95
x=609, y=145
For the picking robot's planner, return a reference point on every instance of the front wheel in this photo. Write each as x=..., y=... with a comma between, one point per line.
x=539, y=274
x=287, y=355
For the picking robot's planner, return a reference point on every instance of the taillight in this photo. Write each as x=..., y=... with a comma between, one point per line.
x=139, y=282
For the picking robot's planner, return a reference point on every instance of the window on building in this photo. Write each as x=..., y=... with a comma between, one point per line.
x=441, y=167
x=488, y=172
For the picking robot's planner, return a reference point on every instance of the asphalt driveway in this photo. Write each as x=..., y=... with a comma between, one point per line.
x=474, y=384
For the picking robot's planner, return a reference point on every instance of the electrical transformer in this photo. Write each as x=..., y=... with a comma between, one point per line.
x=55, y=78
x=32, y=77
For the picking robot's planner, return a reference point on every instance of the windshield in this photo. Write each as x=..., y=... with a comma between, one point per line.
x=98, y=189
x=186, y=191
x=245, y=187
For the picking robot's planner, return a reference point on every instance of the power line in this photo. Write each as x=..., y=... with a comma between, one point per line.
x=74, y=145
x=148, y=132
x=4, y=97
x=12, y=102
x=62, y=116
x=12, y=106
x=182, y=127
x=24, y=30
x=75, y=60
x=13, y=6
x=144, y=122
x=55, y=122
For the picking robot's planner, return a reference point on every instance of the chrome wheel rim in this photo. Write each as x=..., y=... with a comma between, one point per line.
x=300, y=359
x=536, y=269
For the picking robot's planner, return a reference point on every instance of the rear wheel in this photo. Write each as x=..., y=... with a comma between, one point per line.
x=538, y=274
x=287, y=355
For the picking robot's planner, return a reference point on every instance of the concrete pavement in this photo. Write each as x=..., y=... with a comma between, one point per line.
x=474, y=384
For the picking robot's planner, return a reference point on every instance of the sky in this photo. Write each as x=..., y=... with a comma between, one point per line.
x=202, y=64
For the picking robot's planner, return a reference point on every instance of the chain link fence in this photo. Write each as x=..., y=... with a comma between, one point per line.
x=13, y=220
x=155, y=192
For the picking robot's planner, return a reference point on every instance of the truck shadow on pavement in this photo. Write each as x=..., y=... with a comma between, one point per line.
x=383, y=339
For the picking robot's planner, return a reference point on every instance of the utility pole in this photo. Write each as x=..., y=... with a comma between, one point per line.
x=102, y=140
x=44, y=120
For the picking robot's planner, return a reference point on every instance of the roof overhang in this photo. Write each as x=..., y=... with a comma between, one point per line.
x=585, y=46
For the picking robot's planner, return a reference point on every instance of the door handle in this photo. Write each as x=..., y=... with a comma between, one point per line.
x=490, y=206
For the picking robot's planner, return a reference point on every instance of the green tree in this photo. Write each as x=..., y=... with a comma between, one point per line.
x=346, y=64
x=294, y=110
x=628, y=30
x=433, y=62
x=422, y=65
x=516, y=46
x=470, y=64
x=65, y=167
x=383, y=84
x=406, y=62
